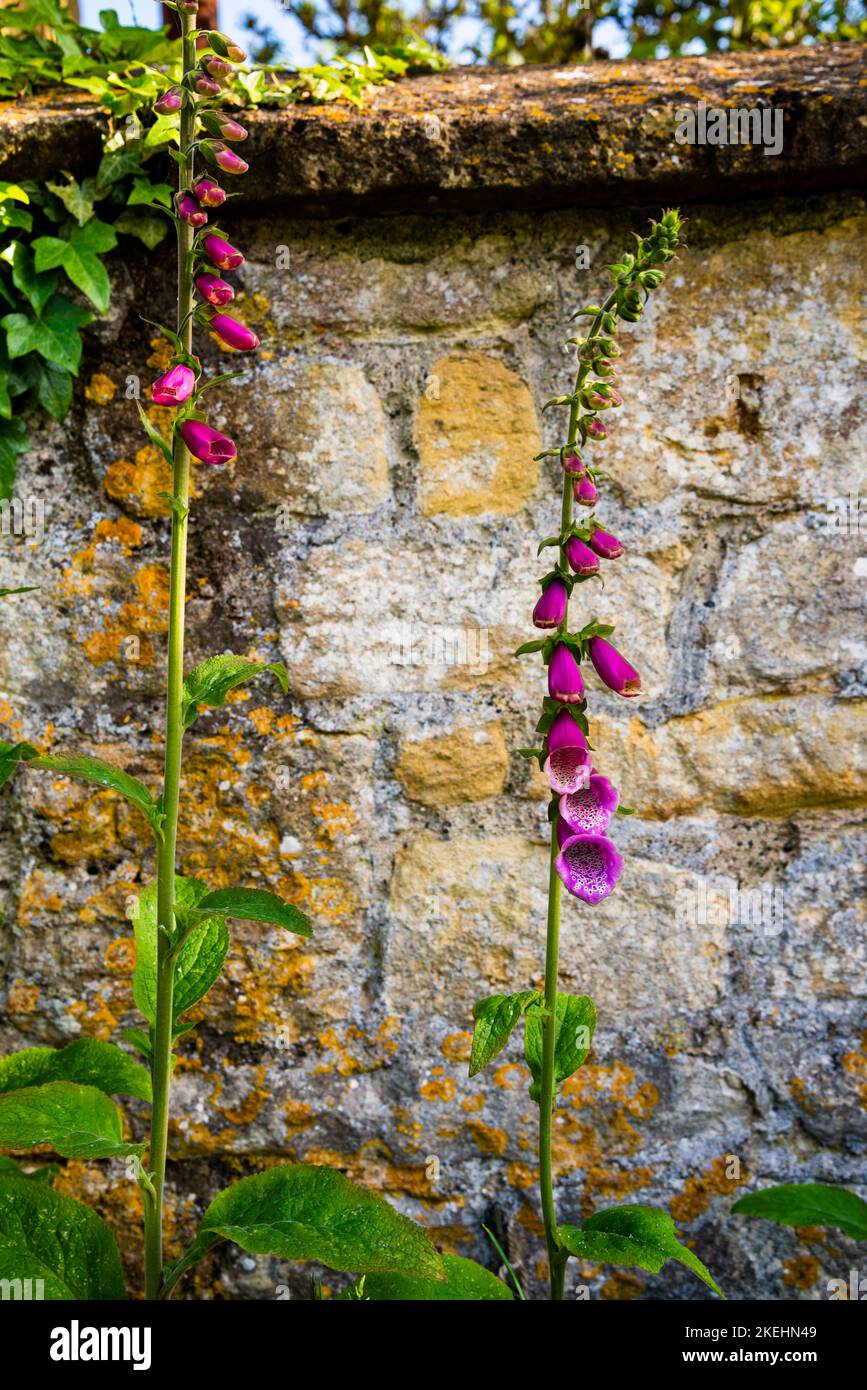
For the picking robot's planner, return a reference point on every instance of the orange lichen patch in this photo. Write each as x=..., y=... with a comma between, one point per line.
x=373, y=1166
x=92, y=822
x=799, y=1094
x=299, y=1115
x=698, y=1190
x=441, y=1088
x=119, y=958
x=254, y=311
x=244, y=1111
x=801, y=1272
x=161, y=354
x=621, y=1286
x=97, y=1019
x=355, y=1051
x=510, y=1075
x=521, y=1175
x=855, y=1064
x=488, y=1138
x=457, y=1047
x=22, y=998
x=473, y=1104
x=100, y=389
x=530, y=1220
x=262, y=982
x=140, y=486
x=36, y=897
x=126, y=634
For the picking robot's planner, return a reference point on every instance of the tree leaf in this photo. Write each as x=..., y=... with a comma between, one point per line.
x=102, y=775
x=301, y=1212
x=808, y=1204
x=257, y=905
x=44, y=1235
x=495, y=1018
x=200, y=959
x=644, y=1237
x=77, y=1121
x=575, y=1025
x=88, y=1061
x=210, y=683
x=465, y=1282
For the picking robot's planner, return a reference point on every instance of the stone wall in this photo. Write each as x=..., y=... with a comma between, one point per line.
x=378, y=534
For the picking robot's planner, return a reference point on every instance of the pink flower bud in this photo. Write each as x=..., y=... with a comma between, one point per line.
x=613, y=669
x=572, y=462
x=236, y=54
x=175, y=386
x=565, y=681
x=207, y=86
x=596, y=429
x=231, y=130
x=217, y=67
x=551, y=607
x=585, y=492
x=210, y=194
x=225, y=256
x=214, y=290
x=233, y=334
x=202, y=41
x=607, y=546
x=581, y=558
x=206, y=444
x=169, y=102
x=191, y=211
x=228, y=161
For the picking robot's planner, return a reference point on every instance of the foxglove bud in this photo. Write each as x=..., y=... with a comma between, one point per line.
x=228, y=161
x=609, y=547
x=233, y=334
x=209, y=194
x=581, y=558
x=217, y=67
x=175, y=386
x=565, y=681
x=589, y=867
x=572, y=462
x=218, y=124
x=206, y=444
x=225, y=256
x=206, y=85
x=551, y=607
x=586, y=492
x=169, y=102
x=235, y=54
x=613, y=669
x=191, y=211
x=214, y=290
x=596, y=429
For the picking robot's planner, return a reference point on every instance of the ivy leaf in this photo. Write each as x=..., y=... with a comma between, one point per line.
x=149, y=227
x=808, y=1204
x=200, y=959
x=79, y=257
x=46, y=1236
x=495, y=1018
x=643, y=1237
x=51, y=385
x=210, y=683
x=575, y=1022
x=102, y=775
x=257, y=905
x=54, y=334
x=77, y=1121
x=37, y=289
x=301, y=1212
x=465, y=1281
x=88, y=1061
x=143, y=191
x=72, y=194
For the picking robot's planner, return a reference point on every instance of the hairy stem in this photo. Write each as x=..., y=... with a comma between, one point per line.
x=161, y=1067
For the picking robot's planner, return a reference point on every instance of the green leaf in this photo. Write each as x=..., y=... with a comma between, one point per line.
x=51, y=385
x=13, y=190
x=37, y=289
x=257, y=905
x=102, y=775
x=210, y=683
x=10, y=1169
x=644, y=1237
x=54, y=335
x=808, y=1204
x=24, y=589
x=13, y=441
x=300, y=1212
x=200, y=959
x=44, y=1235
x=78, y=203
x=495, y=1018
x=143, y=191
x=87, y=1061
x=12, y=753
x=153, y=433
x=149, y=227
x=79, y=257
x=575, y=1025
x=77, y=1121
x=465, y=1282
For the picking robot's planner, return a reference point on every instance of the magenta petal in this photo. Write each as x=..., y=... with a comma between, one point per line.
x=588, y=811
x=565, y=681
x=589, y=866
x=581, y=558
x=567, y=769
x=551, y=607
x=585, y=492
x=608, y=546
x=206, y=444
x=564, y=733
x=613, y=669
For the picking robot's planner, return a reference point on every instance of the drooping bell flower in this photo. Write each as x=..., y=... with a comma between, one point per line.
x=223, y=127
x=572, y=461
x=209, y=194
x=550, y=610
x=233, y=334
x=169, y=102
x=613, y=669
x=206, y=444
x=216, y=291
x=589, y=866
x=585, y=491
x=175, y=386
x=567, y=765
x=565, y=681
x=609, y=547
x=588, y=811
x=228, y=161
x=596, y=429
x=223, y=255
x=581, y=558
x=191, y=211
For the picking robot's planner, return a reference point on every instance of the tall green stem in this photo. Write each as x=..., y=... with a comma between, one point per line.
x=161, y=1067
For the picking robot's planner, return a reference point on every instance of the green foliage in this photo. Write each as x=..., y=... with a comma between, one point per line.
x=201, y=946
x=210, y=683
x=77, y=1121
x=495, y=1017
x=92, y=770
x=641, y=1237
x=808, y=1204
x=465, y=1281
x=44, y=1235
x=575, y=1024
x=88, y=1061
x=257, y=905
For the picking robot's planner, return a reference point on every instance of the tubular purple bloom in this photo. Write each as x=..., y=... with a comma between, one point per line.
x=567, y=765
x=214, y=290
x=585, y=492
x=191, y=211
x=588, y=811
x=550, y=609
x=589, y=866
x=224, y=255
x=228, y=161
x=572, y=462
x=581, y=558
x=209, y=194
x=169, y=102
x=233, y=334
x=613, y=669
x=609, y=547
x=206, y=444
x=175, y=386
x=565, y=681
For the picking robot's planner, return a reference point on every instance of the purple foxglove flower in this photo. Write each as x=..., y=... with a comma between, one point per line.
x=209, y=194
x=169, y=102
x=175, y=386
x=589, y=866
x=228, y=161
x=567, y=765
x=233, y=334
x=581, y=558
x=207, y=86
x=225, y=256
x=191, y=211
x=214, y=290
x=565, y=681
x=206, y=444
x=551, y=607
x=587, y=812
x=572, y=462
x=603, y=544
x=585, y=491
x=596, y=429
x=612, y=669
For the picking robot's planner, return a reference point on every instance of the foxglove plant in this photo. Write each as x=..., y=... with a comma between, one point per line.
x=558, y=1027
